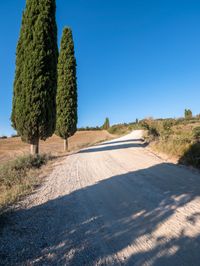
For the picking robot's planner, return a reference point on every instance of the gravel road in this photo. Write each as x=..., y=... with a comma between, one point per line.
x=111, y=204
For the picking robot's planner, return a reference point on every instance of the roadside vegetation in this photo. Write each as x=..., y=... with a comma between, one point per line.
x=97, y=128
x=179, y=138
x=45, y=87
x=66, y=98
x=19, y=177
x=124, y=128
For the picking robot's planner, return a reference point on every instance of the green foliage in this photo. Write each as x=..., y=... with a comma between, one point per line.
x=3, y=137
x=161, y=128
x=125, y=128
x=14, y=136
x=152, y=128
x=120, y=129
x=191, y=155
x=34, y=97
x=167, y=125
x=106, y=124
x=89, y=128
x=145, y=124
x=67, y=88
x=196, y=133
x=153, y=132
x=188, y=114
x=175, y=137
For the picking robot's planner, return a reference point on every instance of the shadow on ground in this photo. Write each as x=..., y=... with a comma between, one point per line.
x=122, y=145
x=100, y=220
x=191, y=156
x=120, y=141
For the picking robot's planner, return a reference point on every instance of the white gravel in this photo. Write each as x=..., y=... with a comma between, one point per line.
x=111, y=204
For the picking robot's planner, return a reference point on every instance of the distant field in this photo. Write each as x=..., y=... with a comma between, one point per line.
x=10, y=148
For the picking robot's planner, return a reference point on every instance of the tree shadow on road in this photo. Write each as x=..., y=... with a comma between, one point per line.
x=191, y=156
x=88, y=225
x=126, y=145
x=120, y=142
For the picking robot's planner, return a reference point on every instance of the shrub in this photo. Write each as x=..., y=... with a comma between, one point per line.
x=153, y=132
x=16, y=177
x=188, y=114
x=145, y=124
x=3, y=137
x=191, y=156
x=167, y=125
x=14, y=135
x=89, y=128
x=119, y=129
x=196, y=133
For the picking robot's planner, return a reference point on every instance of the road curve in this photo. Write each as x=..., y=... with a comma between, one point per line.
x=111, y=204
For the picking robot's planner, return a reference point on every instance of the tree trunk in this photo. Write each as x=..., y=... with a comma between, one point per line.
x=35, y=147
x=66, y=144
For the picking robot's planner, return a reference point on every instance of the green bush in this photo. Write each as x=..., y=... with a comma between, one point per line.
x=196, y=133
x=15, y=136
x=167, y=125
x=119, y=129
x=3, y=137
x=153, y=132
x=191, y=156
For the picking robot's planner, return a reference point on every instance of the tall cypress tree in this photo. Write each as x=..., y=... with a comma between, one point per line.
x=34, y=97
x=66, y=89
x=18, y=72
x=106, y=124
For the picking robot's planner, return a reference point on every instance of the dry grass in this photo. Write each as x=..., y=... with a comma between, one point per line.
x=173, y=148
x=178, y=144
x=11, y=148
x=19, y=176
x=20, y=172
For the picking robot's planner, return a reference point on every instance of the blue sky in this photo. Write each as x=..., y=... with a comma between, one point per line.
x=136, y=58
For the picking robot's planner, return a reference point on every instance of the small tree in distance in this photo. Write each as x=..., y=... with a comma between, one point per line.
x=66, y=100
x=106, y=124
x=188, y=114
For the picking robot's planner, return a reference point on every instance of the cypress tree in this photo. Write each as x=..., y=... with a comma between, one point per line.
x=18, y=72
x=34, y=96
x=66, y=123
x=106, y=124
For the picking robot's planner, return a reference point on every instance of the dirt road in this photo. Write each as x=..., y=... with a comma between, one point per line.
x=111, y=204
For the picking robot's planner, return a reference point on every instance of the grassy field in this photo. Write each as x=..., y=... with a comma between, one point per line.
x=20, y=172
x=11, y=148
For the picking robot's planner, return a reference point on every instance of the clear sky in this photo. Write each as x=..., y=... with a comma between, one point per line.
x=136, y=58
